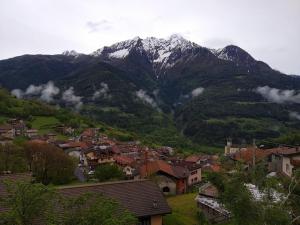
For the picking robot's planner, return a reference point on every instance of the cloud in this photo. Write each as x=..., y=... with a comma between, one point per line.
x=103, y=92
x=34, y=90
x=18, y=93
x=70, y=98
x=49, y=91
x=197, y=91
x=45, y=91
x=98, y=26
x=278, y=96
x=141, y=94
x=294, y=115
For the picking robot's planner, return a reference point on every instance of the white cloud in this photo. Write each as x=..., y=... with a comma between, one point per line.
x=279, y=96
x=142, y=95
x=294, y=115
x=49, y=91
x=102, y=92
x=18, y=93
x=70, y=98
x=197, y=91
x=46, y=92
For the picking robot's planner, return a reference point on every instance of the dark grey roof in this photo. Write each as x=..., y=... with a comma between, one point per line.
x=138, y=196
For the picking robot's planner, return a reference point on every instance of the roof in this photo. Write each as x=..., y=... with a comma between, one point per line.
x=193, y=158
x=6, y=127
x=161, y=166
x=137, y=196
x=246, y=155
x=213, y=204
x=285, y=151
x=123, y=160
x=209, y=190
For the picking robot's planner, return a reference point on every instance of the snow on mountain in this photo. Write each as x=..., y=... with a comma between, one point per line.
x=71, y=53
x=165, y=53
x=160, y=52
x=122, y=53
x=234, y=54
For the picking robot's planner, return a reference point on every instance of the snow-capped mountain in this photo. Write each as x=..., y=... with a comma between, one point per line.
x=235, y=54
x=71, y=53
x=163, y=54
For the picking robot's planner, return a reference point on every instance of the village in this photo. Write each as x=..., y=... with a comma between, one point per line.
x=173, y=174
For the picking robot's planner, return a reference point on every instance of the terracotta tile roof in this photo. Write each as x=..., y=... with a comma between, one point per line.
x=123, y=160
x=137, y=196
x=246, y=155
x=82, y=145
x=286, y=151
x=193, y=158
x=161, y=166
x=88, y=132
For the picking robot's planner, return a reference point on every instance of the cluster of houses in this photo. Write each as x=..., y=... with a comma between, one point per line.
x=282, y=160
x=279, y=161
x=172, y=173
x=14, y=128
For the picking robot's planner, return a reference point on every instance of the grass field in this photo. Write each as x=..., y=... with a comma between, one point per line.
x=45, y=125
x=184, y=210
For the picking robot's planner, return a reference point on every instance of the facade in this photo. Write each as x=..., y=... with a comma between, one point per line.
x=159, y=168
x=7, y=131
x=284, y=160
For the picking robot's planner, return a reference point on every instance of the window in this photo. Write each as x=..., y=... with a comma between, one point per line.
x=287, y=167
x=194, y=172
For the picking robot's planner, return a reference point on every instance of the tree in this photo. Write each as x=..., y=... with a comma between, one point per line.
x=93, y=209
x=108, y=172
x=49, y=164
x=30, y=204
x=12, y=158
x=26, y=203
x=238, y=200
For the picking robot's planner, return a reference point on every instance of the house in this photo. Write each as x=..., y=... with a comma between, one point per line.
x=171, y=179
x=127, y=165
x=283, y=160
x=7, y=131
x=64, y=129
x=194, y=169
x=208, y=201
x=230, y=148
x=141, y=197
x=193, y=159
x=31, y=133
x=18, y=125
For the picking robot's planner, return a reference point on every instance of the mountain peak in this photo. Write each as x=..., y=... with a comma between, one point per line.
x=71, y=53
x=235, y=54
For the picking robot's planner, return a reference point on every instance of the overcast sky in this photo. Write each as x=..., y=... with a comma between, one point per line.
x=268, y=29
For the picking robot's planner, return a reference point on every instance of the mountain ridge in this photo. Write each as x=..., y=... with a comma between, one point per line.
x=130, y=83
